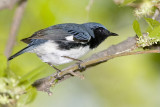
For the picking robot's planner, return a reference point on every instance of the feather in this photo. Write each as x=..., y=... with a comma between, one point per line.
x=60, y=32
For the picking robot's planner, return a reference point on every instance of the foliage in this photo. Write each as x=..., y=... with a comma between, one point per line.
x=17, y=89
x=125, y=2
x=136, y=28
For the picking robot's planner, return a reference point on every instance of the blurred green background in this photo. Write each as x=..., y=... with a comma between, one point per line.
x=131, y=81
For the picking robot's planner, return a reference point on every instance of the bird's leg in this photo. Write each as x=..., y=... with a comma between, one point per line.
x=79, y=67
x=58, y=71
x=72, y=58
x=54, y=67
x=78, y=62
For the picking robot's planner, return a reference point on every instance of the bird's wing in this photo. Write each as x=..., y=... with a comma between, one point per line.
x=59, y=33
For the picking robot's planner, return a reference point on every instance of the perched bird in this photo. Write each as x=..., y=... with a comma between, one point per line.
x=63, y=43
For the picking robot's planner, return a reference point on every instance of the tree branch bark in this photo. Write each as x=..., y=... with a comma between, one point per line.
x=15, y=26
x=7, y=4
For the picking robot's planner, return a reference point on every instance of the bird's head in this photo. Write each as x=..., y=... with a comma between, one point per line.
x=98, y=32
x=99, y=29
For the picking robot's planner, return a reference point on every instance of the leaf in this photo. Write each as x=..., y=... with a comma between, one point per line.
x=155, y=33
x=27, y=79
x=28, y=97
x=3, y=64
x=136, y=28
x=34, y=75
x=43, y=73
x=152, y=23
x=127, y=2
x=149, y=29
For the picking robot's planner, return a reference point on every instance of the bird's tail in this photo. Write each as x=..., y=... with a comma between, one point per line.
x=26, y=49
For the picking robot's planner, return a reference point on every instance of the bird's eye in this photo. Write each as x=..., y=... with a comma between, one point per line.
x=100, y=29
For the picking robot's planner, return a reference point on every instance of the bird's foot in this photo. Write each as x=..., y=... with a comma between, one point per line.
x=57, y=76
x=80, y=67
x=78, y=62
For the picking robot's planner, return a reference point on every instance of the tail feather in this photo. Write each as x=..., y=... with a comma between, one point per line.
x=19, y=53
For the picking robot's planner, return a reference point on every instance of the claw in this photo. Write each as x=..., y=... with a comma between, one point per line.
x=78, y=62
x=58, y=71
x=81, y=68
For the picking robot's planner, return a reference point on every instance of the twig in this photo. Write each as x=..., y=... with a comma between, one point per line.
x=7, y=4
x=156, y=13
x=134, y=5
x=15, y=26
x=88, y=7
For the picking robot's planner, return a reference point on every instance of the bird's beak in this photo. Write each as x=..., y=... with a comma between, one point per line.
x=113, y=34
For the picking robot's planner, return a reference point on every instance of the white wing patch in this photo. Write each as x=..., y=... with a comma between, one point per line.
x=69, y=38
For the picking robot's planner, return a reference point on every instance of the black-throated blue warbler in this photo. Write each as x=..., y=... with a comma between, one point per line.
x=62, y=43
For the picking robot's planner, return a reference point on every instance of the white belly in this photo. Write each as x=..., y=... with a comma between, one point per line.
x=49, y=52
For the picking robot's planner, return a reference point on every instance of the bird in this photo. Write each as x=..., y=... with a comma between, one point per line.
x=63, y=43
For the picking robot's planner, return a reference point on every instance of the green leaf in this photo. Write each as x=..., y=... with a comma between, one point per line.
x=149, y=29
x=127, y=2
x=152, y=23
x=155, y=33
x=28, y=79
x=34, y=75
x=3, y=64
x=136, y=28
x=43, y=73
x=28, y=97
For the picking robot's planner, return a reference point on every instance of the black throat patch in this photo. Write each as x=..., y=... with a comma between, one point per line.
x=100, y=36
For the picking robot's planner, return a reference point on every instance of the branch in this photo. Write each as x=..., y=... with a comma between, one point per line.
x=15, y=26
x=7, y=3
x=88, y=7
x=122, y=49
